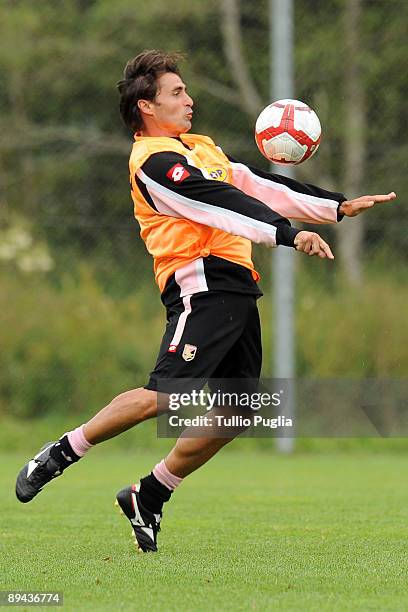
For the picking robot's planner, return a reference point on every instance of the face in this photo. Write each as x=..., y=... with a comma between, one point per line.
x=170, y=113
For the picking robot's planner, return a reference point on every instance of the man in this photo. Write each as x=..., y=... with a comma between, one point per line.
x=198, y=212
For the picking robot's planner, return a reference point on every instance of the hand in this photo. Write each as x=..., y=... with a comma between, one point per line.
x=312, y=244
x=352, y=208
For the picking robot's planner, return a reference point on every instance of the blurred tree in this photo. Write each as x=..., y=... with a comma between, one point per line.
x=233, y=48
x=363, y=85
x=351, y=232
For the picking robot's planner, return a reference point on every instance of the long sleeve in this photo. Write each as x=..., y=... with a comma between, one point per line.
x=173, y=187
x=286, y=196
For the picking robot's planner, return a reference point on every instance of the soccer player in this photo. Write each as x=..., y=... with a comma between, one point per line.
x=198, y=210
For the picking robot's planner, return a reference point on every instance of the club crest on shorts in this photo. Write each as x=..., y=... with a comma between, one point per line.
x=189, y=352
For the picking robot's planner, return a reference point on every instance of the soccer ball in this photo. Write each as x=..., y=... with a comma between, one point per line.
x=288, y=132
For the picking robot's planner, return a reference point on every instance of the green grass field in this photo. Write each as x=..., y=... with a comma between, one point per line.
x=249, y=531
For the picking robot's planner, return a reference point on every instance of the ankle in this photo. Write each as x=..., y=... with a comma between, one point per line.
x=79, y=444
x=63, y=453
x=153, y=494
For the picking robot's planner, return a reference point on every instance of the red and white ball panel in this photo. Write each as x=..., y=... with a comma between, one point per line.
x=288, y=132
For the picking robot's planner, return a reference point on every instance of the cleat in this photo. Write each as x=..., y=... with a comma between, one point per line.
x=37, y=473
x=145, y=524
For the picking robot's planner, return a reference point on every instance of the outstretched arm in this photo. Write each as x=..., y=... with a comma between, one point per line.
x=300, y=201
x=291, y=198
x=172, y=186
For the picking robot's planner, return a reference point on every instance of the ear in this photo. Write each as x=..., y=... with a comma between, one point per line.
x=145, y=107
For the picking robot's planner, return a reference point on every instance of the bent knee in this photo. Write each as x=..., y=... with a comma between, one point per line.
x=141, y=401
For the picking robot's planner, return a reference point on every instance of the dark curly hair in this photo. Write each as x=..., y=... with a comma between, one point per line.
x=140, y=83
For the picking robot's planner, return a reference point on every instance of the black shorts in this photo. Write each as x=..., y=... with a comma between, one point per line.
x=209, y=335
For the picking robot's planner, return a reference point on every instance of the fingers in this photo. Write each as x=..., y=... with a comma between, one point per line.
x=366, y=204
x=384, y=197
x=387, y=197
x=325, y=250
x=312, y=244
x=321, y=248
x=352, y=208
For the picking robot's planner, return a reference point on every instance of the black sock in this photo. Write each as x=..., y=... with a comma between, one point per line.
x=153, y=493
x=63, y=454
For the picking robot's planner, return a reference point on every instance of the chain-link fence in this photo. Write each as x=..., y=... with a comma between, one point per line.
x=80, y=316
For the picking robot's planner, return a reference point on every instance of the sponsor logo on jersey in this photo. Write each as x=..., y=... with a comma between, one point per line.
x=189, y=352
x=217, y=173
x=177, y=173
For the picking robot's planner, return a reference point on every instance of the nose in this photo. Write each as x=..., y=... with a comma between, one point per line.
x=189, y=100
